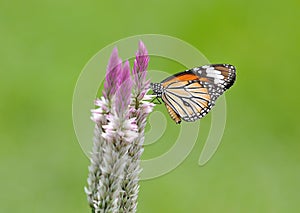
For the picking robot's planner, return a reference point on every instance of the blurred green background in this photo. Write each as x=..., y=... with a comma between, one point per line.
x=43, y=48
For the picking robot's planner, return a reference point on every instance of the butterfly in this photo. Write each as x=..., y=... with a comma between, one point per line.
x=189, y=95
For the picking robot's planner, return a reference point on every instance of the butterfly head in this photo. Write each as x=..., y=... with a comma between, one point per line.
x=157, y=89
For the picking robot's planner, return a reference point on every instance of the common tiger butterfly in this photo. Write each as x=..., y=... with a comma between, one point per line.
x=189, y=95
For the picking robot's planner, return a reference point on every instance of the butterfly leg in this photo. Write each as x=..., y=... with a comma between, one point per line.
x=158, y=101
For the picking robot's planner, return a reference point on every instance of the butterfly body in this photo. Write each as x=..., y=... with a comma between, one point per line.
x=190, y=95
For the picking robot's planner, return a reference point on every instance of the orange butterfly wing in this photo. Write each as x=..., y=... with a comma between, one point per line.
x=188, y=100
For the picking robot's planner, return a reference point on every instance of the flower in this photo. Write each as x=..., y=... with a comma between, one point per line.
x=113, y=69
x=119, y=135
x=139, y=72
x=140, y=110
x=99, y=114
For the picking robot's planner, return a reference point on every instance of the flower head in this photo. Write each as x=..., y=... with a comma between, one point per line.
x=123, y=93
x=140, y=71
x=113, y=69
